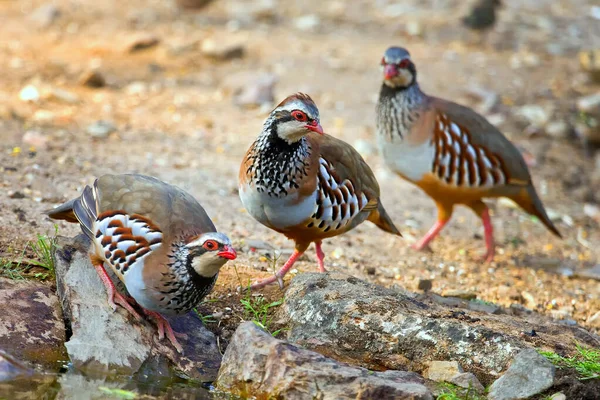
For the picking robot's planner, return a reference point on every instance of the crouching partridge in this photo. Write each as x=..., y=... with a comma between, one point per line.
x=157, y=239
x=306, y=184
x=454, y=154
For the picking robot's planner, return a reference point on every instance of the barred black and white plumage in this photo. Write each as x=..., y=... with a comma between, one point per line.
x=156, y=238
x=306, y=184
x=454, y=154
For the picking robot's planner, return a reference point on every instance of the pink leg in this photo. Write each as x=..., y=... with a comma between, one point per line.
x=164, y=326
x=280, y=274
x=113, y=295
x=429, y=236
x=320, y=256
x=488, y=230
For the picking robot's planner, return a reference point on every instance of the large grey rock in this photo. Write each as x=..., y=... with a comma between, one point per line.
x=530, y=373
x=106, y=341
x=350, y=320
x=32, y=326
x=259, y=365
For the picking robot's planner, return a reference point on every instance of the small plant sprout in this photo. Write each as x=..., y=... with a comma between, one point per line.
x=257, y=310
x=586, y=362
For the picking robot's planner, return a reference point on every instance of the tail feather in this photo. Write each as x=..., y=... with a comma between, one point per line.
x=82, y=209
x=383, y=221
x=529, y=201
x=85, y=211
x=63, y=212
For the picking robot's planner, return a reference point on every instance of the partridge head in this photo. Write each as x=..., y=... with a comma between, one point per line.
x=156, y=238
x=454, y=154
x=305, y=184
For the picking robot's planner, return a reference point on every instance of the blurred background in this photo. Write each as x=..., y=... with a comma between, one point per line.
x=179, y=90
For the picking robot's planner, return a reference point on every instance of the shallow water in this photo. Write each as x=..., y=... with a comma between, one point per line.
x=75, y=386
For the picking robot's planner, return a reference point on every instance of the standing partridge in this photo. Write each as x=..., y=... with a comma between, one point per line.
x=454, y=154
x=303, y=183
x=157, y=239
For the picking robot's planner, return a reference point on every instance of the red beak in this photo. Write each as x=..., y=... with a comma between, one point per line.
x=390, y=71
x=228, y=252
x=315, y=127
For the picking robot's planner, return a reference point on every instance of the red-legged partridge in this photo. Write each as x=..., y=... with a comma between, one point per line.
x=452, y=153
x=306, y=184
x=157, y=239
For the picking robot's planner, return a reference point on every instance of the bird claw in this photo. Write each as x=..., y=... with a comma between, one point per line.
x=419, y=247
x=488, y=257
x=261, y=283
x=279, y=281
x=123, y=302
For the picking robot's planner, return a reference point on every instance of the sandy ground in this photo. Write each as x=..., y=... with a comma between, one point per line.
x=175, y=117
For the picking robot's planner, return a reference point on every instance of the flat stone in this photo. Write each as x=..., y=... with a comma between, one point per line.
x=590, y=62
x=467, y=380
x=257, y=364
x=378, y=328
x=589, y=273
x=32, y=326
x=589, y=104
x=442, y=371
x=529, y=374
x=93, y=79
x=101, y=129
x=309, y=22
x=461, y=294
x=45, y=15
x=257, y=92
x=534, y=114
x=193, y=4
x=222, y=50
x=558, y=129
x=484, y=307
x=425, y=284
x=141, y=41
x=62, y=95
x=104, y=340
x=594, y=320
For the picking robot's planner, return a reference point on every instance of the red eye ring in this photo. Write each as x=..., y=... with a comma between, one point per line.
x=404, y=63
x=211, y=245
x=299, y=116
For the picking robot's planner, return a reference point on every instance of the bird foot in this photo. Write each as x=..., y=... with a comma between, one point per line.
x=261, y=283
x=421, y=247
x=165, y=327
x=118, y=298
x=489, y=256
x=114, y=297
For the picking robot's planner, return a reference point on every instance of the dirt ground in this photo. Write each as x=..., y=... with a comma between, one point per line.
x=175, y=118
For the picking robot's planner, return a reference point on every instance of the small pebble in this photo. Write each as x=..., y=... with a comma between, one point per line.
x=141, y=41
x=557, y=129
x=29, y=93
x=45, y=15
x=221, y=51
x=101, y=129
x=425, y=284
x=16, y=195
x=35, y=138
x=307, y=22
x=93, y=79
x=589, y=104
